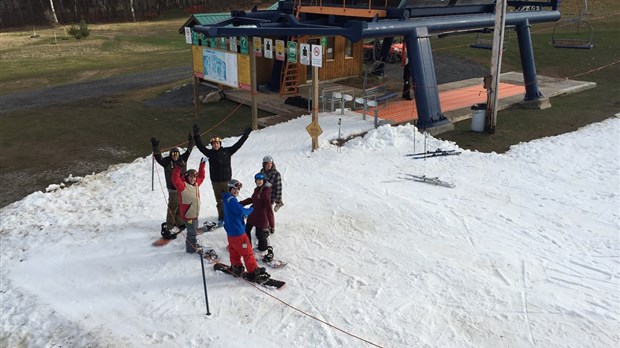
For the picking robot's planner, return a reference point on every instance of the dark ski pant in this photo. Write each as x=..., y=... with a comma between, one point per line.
x=173, y=215
x=263, y=242
x=219, y=187
x=239, y=247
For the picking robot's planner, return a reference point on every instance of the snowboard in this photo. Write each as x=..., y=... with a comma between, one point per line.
x=275, y=263
x=269, y=282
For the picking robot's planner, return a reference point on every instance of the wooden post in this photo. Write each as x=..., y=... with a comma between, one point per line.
x=315, y=103
x=496, y=65
x=196, y=97
x=253, y=82
x=313, y=128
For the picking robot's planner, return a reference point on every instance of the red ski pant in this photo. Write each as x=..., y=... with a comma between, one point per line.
x=240, y=247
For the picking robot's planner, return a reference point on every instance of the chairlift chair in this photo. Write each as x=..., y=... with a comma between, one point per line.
x=573, y=32
x=485, y=42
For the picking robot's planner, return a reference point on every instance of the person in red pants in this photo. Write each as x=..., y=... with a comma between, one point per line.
x=239, y=246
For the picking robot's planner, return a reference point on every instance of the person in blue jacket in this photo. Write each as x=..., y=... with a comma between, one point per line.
x=239, y=245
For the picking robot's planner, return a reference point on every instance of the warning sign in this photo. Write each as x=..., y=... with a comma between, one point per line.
x=317, y=55
x=304, y=54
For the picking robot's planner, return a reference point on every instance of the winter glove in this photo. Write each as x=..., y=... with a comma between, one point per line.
x=190, y=137
x=271, y=230
x=247, y=131
x=203, y=160
x=154, y=141
x=196, y=130
x=278, y=206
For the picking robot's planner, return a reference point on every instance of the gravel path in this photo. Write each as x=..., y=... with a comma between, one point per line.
x=83, y=90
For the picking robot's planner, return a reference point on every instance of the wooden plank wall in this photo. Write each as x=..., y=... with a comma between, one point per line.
x=340, y=66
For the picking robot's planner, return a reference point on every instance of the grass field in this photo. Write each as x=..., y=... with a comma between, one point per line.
x=40, y=146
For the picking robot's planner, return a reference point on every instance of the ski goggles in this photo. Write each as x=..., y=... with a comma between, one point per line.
x=215, y=140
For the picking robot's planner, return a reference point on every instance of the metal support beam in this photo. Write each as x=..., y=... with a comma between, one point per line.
x=424, y=79
x=526, y=52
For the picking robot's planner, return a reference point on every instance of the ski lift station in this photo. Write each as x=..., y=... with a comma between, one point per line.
x=297, y=35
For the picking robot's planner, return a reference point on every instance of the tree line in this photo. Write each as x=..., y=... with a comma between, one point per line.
x=20, y=13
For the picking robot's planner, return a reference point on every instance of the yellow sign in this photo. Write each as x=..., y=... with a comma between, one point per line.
x=243, y=71
x=197, y=65
x=314, y=129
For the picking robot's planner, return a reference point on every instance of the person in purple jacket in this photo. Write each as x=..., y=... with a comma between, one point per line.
x=262, y=216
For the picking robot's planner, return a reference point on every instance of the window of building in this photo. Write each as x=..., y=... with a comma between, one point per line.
x=330, y=50
x=348, y=49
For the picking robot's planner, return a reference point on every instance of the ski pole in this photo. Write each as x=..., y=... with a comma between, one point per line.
x=153, y=174
x=204, y=282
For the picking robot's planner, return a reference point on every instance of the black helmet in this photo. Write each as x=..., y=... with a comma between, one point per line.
x=173, y=150
x=191, y=172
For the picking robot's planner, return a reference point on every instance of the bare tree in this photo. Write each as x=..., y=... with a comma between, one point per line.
x=133, y=12
x=53, y=11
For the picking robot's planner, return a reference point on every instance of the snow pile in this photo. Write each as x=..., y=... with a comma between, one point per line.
x=524, y=251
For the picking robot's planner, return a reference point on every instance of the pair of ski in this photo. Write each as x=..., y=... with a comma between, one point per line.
x=208, y=226
x=428, y=180
x=436, y=153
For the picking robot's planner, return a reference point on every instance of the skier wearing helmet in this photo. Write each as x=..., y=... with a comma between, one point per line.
x=262, y=216
x=239, y=246
x=173, y=214
x=189, y=197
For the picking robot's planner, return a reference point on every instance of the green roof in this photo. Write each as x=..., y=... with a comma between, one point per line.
x=211, y=18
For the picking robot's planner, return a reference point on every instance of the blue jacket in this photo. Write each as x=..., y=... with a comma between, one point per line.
x=234, y=213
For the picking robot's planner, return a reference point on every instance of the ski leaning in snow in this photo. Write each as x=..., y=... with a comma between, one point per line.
x=427, y=180
x=268, y=282
x=436, y=153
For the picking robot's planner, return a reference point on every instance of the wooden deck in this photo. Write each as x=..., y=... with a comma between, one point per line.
x=456, y=98
x=402, y=111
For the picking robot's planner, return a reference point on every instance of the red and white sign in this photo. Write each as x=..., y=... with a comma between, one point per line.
x=317, y=55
